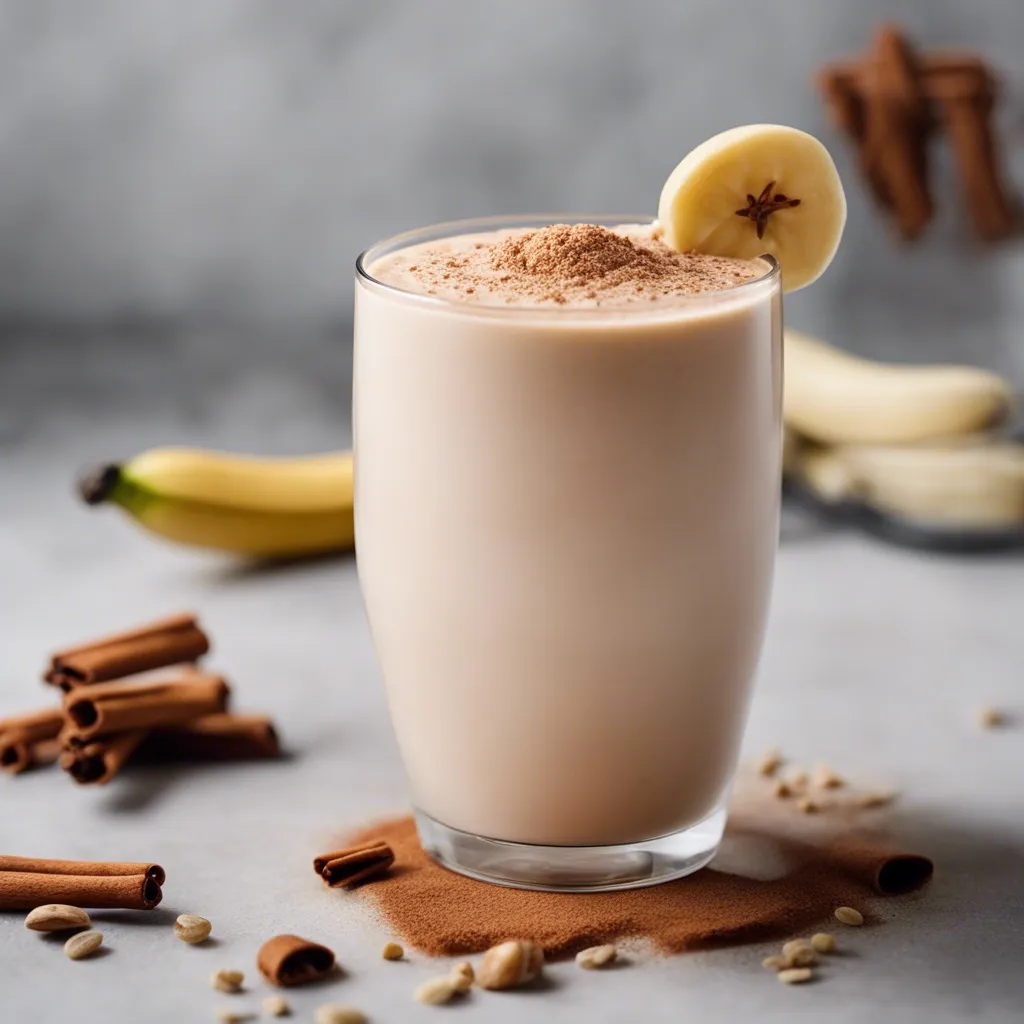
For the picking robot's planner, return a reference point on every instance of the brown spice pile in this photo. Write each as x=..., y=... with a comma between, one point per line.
x=442, y=913
x=578, y=264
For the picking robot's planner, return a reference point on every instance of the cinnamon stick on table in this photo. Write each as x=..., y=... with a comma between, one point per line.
x=169, y=641
x=219, y=737
x=121, y=707
x=896, y=130
x=27, y=740
x=99, y=760
x=966, y=98
x=27, y=883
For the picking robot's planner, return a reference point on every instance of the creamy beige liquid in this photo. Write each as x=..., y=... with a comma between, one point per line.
x=566, y=522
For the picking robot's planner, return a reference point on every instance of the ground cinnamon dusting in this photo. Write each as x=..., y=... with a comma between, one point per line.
x=562, y=264
x=441, y=913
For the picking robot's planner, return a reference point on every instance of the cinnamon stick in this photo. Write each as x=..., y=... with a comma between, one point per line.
x=895, y=130
x=221, y=737
x=965, y=101
x=122, y=707
x=26, y=740
x=288, y=960
x=354, y=865
x=931, y=67
x=169, y=641
x=26, y=883
x=98, y=761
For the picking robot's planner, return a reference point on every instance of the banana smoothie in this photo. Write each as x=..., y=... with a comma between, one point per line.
x=568, y=445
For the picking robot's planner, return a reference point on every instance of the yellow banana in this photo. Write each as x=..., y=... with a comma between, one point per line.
x=836, y=398
x=959, y=486
x=252, y=506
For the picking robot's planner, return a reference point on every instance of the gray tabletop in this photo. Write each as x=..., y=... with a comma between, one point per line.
x=875, y=660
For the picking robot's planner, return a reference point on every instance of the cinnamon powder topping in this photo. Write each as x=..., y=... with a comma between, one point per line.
x=579, y=265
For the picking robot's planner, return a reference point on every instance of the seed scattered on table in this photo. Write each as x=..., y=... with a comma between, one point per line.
x=392, y=951
x=847, y=915
x=462, y=976
x=825, y=778
x=770, y=762
x=333, y=1014
x=228, y=1016
x=775, y=963
x=808, y=805
x=57, y=917
x=276, y=1006
x=434, y=992
x=881, y=798
x=989, y=718
x=596, y=957
x=823, y=942
x=803, y=957
x=782, y=789
x=84, y=944
x=510, y=964
x=795, y=975
x=226, y=980
x=192, y=928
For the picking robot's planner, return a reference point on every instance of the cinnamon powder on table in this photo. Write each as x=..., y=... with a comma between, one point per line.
x=442, y=913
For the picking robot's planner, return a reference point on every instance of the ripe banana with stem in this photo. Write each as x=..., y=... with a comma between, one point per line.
x=833, y=397
x=267, y=508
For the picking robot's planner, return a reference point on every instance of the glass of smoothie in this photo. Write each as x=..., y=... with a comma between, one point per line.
x=568, y=448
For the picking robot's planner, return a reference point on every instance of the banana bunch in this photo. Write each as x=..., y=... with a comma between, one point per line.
x=920, y=443
x=264, y=508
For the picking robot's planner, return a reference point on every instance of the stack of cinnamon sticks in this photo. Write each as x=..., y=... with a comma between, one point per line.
x=110, y=713
x=893, y=101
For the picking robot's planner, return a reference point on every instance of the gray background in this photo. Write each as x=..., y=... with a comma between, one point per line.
x=183, y=187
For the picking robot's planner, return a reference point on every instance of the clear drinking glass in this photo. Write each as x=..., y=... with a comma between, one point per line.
x=566, y=522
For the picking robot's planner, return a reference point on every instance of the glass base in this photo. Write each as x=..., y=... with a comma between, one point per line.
x=573, y=868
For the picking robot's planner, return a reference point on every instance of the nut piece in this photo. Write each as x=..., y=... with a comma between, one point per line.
x=770, y=762
x=510, y=964
x=228, y=1016
x=192, y=928
x=57, y=917
x=276, y=1006
x=882, y=798
x=797, y=779
x=462, y=976
x=793, y=945
x=808, y=805
x=392, y=951
x=227, y=981
x=989, y=718
x=84, y=944
x=435, y=991
x=596, y=957
x=775, y=963
x=825, y=778
x=823, y=942
x=847, y=915
x=796, y=975
x=782, y=789
x=803, y=957
x=333, y=1014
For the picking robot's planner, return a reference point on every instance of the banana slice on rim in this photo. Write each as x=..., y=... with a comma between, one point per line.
x=762, y=188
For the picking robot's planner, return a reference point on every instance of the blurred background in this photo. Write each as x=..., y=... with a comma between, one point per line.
x=184, y=184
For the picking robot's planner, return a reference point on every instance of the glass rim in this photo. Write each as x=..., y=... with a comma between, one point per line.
x=680, y=305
